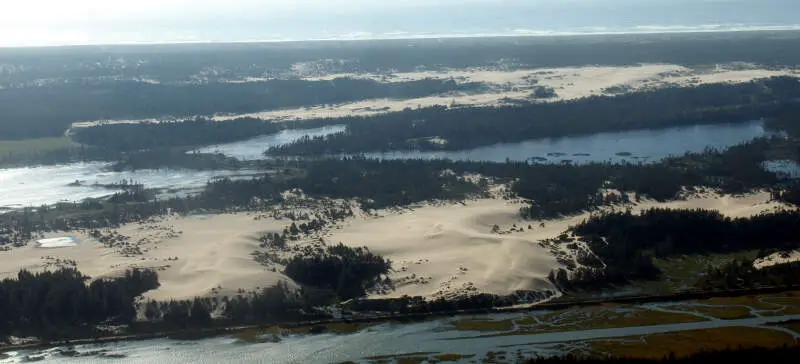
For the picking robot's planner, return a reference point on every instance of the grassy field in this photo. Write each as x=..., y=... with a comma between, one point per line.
x=614, y=316
x=786, y=303
x=720, y=312
x=792, y=325
x=731, y=308
x=607, y=317
x=261, y=335
x=33, y=146
x=682, y=272
x=691, y=342
x=789, y=299
x=602, y=317
x=481, y=324
x=15, y=153
x=417, y=358
x=751, y=301
x=678, y=273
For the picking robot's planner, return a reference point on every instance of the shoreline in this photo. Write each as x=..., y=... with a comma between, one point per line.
x=318, y=326
x=700, y=29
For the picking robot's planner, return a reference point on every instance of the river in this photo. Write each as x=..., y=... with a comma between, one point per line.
x=387, y=339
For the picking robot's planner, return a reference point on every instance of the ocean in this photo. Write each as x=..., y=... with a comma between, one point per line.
x=440, y=18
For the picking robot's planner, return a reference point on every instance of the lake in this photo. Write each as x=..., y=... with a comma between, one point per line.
x=253, y=149
x=784, y=168
x=644, y=146
x=632, y=146
x=35, y=186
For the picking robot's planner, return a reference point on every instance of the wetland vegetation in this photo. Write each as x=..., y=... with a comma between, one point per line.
x=655, y=251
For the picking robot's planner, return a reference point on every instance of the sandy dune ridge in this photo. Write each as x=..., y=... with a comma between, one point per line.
x=452, y=249
x=506, y=86
x=777, y=258
x=569, y=83
x=439, y=250
x=194, y=256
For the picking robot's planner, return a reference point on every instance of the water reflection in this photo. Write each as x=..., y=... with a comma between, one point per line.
x=387, y=339
x=784, y=168
x=36, y=186
x=632, y=146
x=253, y=149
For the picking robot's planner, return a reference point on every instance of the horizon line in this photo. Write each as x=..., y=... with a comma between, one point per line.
x=638, y=30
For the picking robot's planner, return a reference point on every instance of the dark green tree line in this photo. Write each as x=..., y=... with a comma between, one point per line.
x=61, y=302
x=471, y=127
x=349, y=272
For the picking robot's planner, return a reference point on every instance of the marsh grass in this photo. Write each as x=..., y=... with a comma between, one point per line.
x=690, y=342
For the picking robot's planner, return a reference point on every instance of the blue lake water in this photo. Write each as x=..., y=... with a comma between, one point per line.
x=252, y=149
x=784, y=168
x=632, y=146
x=34, y=186
x=39, y=185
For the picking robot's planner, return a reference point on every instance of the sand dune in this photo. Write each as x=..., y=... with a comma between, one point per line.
x=444, y=249
x=449, y=250
x=506, y=86
x=777, y=258
x=568, y=82
x=438, y=250
x=745, y=205
x=212, y=252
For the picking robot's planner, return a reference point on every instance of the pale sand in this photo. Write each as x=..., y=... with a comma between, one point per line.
x=438, y=250
x=212, y=252
x=777, y=258
x=734, y=206
x=452, y=247
x=505, y=86
x=569, y=83
x=447, y=250
x=59, y=242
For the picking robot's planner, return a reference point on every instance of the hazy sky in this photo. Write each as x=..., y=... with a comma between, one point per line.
x=98, y=21
x=59, y=11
